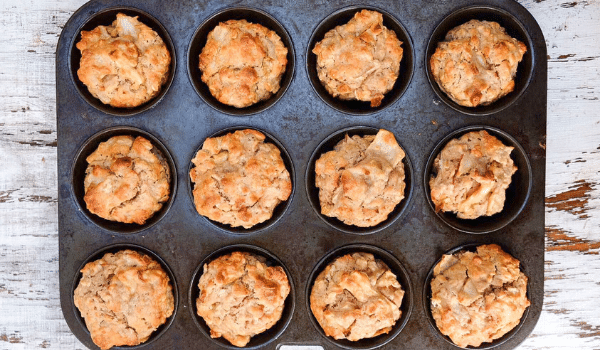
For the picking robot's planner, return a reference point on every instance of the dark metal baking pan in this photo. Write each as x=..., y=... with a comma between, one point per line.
x=300, y=121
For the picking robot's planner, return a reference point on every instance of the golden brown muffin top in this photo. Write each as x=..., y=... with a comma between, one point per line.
x=472, y=175
x=240, y=296
x=478, y=296
x=239, y=179
x=242, y=62
x=477, y=63
x=123, y=297
x=124, y=64
x=362, y=180
x=359, y=60
x=125, y=180
x=356, y=297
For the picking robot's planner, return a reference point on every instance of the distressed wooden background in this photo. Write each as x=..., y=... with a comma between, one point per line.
x=30, y=314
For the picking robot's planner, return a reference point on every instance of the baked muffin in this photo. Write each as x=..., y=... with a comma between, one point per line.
x=477, y=63
x=240, y=296
x=472, y=175
x=239, y=179
x=242, y=62
x=124, y=64
x=356, y=297
x=127, y=180
x=123, y=297
x=477, y=297
x=362, y=180
x=359, y=60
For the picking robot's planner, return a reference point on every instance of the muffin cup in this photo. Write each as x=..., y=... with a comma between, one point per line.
x=312, y=192
x=517, y=193
x=252, y=15
x=162, y=329
x=106, y=17
x=394, y=265
x=471, y=247
x=513, y=27
x=78, y=176
x=356, y=107
x=259, y=340
x=279, y=210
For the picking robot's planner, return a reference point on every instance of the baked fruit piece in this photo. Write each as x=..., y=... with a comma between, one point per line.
x=123, y=297
x=362, y=180
x=239, y=179
x=124, y=64
x=242, y=62
x=356, y=297
x=472, y=175
x=240, y=296
x=359, y=60
x=477, y=63
x=127, y=180
x=477, y=297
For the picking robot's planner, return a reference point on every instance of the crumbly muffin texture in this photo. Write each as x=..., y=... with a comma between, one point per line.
x=127, y=180
x=240, y=296
x=477, y=63
x=477, y=297
x=124, y=64
x=123, y=298
x=359, y=60
x=362, y=180
x=472, y=175
x=242, y=63
x=239, y=179
x=356, y=297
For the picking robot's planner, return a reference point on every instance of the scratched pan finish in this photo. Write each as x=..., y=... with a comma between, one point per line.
x=300, y=120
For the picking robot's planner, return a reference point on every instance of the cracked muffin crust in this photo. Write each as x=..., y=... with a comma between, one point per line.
x=477, y=63
x=356, y=297
x=472, y=175
x=359, y=60
x=240, y=296
x=127, y=180
x=123, y=297
x=239, y=179
x=124, y=64
x=242, y=62
x=362, y=180
x=478, y=297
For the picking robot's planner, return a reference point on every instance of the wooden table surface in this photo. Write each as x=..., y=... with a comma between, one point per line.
x=30, y=313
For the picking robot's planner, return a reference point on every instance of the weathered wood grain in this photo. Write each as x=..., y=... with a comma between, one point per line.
x=29, y=300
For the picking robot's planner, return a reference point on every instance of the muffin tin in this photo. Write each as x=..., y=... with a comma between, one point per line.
x=179, y=120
